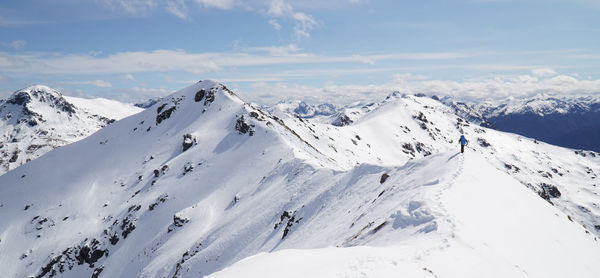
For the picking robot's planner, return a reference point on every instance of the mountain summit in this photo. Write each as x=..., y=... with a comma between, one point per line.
x=37, y=119
x=200, y=181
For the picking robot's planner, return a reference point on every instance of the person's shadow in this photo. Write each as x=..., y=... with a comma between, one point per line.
x=450, y=158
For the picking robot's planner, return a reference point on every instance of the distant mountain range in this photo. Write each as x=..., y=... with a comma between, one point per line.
x=572, y=122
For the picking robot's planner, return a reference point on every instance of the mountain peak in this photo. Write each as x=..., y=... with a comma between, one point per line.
x=40, y=94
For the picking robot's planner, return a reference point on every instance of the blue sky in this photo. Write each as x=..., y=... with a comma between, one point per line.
x=268, y=50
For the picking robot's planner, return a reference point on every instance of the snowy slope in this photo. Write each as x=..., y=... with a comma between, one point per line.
x=37, y=119
x=465, y=229
x=203, y=180
x=107, y=108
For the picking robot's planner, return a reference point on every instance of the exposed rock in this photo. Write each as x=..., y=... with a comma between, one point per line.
x=188, y=167
x=383, y=178
x=549, y=191
x=164, y=114
x=242, y=127
x=291, y=220
x=482, y=142
x=161, y=199
x=342, y=120
x=199, y=95
x=188, y=141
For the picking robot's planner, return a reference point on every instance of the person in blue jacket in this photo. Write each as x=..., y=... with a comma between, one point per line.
x=463, y=142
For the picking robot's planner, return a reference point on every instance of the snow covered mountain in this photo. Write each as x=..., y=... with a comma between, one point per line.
x=324, y=112
x=572, y=122
x=148, y=103
x=202, y=180
x=38, y=119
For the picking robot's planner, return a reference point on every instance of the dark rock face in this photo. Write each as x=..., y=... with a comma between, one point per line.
x=383, y=178
x=549, y=191
x=178, y=221
x=97, y=272
x=482, y=142
x=160, y=200
x=342, y=120
x=210, y=96
x=199, y=95
x=290, y=216
x=14, y=156
x=407, y=148
x=188, y=167
x=88, y=252
x=420, y=147
x=242, y=127
x=164, y=114
x=20, y=98
x=188, y=142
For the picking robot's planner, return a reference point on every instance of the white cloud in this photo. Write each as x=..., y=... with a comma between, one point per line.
x=135, y=7
x=273, y=22
x=18, y=44
x=275, y=50
x=280, y=8
x=178, y=8
x=543, y=72
x=221, y=4
x=95, y=52
x=303, y=24
x=482, y=89
x=97, y=83
x=129, y=76
x=179, y=60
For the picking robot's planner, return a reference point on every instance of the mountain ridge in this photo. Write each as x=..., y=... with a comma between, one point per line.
x=202, y=180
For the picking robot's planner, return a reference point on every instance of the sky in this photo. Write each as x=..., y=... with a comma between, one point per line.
x=320, y=51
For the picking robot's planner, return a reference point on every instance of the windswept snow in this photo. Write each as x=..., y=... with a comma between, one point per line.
x=202, y=180
x=107, y=108
x=460, y=226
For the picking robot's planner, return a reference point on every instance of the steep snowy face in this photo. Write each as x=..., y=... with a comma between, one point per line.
x=38, y=119
x=202, y=180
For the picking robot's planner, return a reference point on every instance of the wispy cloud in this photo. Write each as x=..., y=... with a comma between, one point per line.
x=179, y=60
x=543, y=72
x=18, y=44
x=276, y=10
x=303, y=23
x=129, y=77
x=134, y=7
x=18, y=22
x=178, y=8
x=221, y=4
x=275, y=50
x=97, y=83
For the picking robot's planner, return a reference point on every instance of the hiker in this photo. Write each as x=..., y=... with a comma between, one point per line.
x=463, y=142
